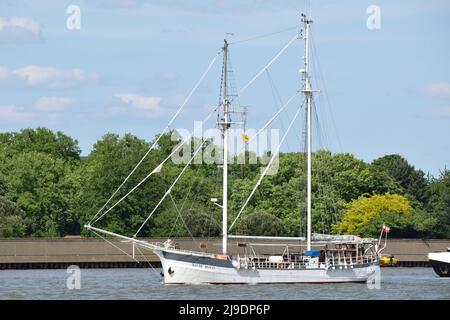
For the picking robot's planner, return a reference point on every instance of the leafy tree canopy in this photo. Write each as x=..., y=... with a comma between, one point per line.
x=13, y=222
x=35, y=182
x=364, y=214
x=439, y=204
x=261, y=224
x=41, y=173
x=40, y=140
x=411, y=180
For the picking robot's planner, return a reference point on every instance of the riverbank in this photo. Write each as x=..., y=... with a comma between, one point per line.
x=57, y=253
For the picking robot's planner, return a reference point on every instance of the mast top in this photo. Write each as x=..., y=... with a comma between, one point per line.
x=305, y=19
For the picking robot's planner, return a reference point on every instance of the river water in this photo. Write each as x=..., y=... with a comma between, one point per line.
x=396, y=283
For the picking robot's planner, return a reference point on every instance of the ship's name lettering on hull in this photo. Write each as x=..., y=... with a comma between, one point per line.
x=202, y=266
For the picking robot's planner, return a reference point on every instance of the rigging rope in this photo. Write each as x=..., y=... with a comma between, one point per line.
x=182, y=206
x=146, y=260
x=267, y=168
x=159, y=137
x=182, y=220
x=321, y=78
x=276, y=96
x=268, y=123
x=264, y=35
x=325, y=179
x=117, y=247
x=267, y=65
x=157, y=169
x=170, y=189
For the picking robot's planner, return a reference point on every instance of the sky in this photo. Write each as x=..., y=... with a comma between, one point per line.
x=131, y=64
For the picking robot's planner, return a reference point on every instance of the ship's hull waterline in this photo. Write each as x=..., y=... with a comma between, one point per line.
x=183, y=268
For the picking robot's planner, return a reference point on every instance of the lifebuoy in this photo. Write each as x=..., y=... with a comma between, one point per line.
x=280, y=265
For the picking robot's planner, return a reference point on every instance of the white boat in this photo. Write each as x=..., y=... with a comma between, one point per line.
x=440, y=261
x=313, y=259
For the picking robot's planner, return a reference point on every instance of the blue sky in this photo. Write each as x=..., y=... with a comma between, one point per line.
x=133, y=62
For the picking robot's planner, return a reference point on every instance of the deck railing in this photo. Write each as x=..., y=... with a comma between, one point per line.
x=295, y=262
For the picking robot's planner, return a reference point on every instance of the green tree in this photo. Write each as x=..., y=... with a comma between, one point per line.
x=40, y=140
x=411, y=180
x=261, y=224
x=363, y=214
x=439, y=204
x=34, y=182
x=13, y=222
x=367, y=214
x=194, y=220
x=110, y=162
x=41, y=171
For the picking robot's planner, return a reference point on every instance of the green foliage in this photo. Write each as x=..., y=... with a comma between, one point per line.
x=13, y=222
x=367, y=215
x=439, y=203
x=41, y=140
x=35, y=182
x=261, y=224
x=362, y=213
x=195, y=221
x=412, y=181
x=106, y=167
x=55, y=192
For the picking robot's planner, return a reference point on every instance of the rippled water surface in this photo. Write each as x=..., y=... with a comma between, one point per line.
x=396, y=283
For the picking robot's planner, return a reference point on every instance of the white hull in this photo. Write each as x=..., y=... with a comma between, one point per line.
x=184, y=272
x=440, y=261
x=443, y=257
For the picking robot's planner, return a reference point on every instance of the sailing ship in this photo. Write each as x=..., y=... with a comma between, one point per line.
x=323, y=259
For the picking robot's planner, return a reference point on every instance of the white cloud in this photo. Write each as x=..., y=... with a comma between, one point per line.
x=49, y=77
x=11, y=113
x=19, y=29
x=53, y=104
x=46, y=109
x=439, y=89
x=148, y=106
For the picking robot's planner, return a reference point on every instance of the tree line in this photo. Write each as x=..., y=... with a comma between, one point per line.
x=48, y=190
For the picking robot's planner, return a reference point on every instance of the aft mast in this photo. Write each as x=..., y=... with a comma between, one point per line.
x=225, y=126
x=307, y=90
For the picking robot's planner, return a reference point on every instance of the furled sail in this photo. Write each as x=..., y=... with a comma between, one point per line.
x=318, y=237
